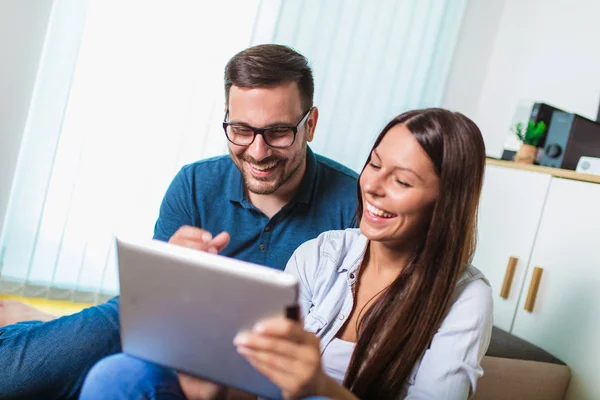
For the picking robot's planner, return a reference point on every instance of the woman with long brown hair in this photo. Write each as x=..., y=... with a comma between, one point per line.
x=395, y=301
x=392, y=309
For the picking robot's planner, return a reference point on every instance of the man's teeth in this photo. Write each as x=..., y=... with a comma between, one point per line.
x=264, y=167
x=376, y=211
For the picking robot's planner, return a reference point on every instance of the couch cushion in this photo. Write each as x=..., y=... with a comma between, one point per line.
x=506, y=345
x=506, y=379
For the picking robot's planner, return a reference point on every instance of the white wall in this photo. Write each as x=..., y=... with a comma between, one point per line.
x=472, y=55
x=22, y=29
x=542, y=50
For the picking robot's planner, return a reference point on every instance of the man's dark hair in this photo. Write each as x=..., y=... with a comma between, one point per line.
x=267, y=65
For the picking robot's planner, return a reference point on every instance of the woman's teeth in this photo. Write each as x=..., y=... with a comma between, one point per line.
x=264, y=167
x=380, y=213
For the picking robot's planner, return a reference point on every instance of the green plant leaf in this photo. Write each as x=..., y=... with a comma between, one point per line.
x=518, y=130
x=533, y=134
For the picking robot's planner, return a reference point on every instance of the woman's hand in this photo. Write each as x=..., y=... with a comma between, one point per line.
x=285, y=353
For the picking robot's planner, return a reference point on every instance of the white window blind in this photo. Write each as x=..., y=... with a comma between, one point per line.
x=128, y=92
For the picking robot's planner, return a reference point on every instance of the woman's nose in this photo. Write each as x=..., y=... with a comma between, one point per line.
x=374, y=184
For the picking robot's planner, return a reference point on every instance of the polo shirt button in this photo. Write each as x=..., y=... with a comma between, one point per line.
x=351, y=276
x=262, y=246
x=267, y=228
x=341, y=317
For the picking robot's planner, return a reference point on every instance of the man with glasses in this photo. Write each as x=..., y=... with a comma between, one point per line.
x=271, y=193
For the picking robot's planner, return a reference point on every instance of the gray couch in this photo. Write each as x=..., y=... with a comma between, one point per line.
x=516, y=369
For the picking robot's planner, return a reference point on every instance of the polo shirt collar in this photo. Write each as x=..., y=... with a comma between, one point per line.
x=235, y=184
x=307, y=186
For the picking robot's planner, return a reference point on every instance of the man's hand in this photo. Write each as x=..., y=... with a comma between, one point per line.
x=13, y=311
x=199, y=239
x=199, y=389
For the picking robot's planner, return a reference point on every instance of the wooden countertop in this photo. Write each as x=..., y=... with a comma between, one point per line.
x=561, y=173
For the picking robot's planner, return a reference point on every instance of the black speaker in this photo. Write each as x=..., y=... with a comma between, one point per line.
x=570, y=137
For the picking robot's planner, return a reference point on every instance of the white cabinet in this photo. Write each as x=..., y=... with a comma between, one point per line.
x=509, y=214
x=565, y=320
x=552, y=224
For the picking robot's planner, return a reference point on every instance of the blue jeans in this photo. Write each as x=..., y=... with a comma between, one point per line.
x=49, y=360
x=125, y=377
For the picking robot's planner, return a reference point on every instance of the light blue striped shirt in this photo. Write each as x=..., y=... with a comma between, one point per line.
x=327, y=267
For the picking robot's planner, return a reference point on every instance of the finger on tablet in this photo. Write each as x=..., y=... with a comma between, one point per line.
x=192, y=233
x=206, y=236
x=282, y=327
x=192, y=244
x=220, y=241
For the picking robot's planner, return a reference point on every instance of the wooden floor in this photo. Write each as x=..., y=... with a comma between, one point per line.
x=55, y=307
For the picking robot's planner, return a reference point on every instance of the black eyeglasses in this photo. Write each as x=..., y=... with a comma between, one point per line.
x=278, y=136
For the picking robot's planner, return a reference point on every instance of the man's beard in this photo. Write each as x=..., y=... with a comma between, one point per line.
x=259, y=185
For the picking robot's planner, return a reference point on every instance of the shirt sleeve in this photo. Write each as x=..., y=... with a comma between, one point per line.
x=303, y=265
x=451, y=366
x=175, y=209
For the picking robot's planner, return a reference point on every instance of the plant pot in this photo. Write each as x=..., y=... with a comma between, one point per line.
x=526, y=154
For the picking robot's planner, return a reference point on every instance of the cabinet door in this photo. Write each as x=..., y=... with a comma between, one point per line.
x=509, y=214
x=565, y=320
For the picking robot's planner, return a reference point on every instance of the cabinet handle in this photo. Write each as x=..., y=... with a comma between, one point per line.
x=533, y=289
x=508, y=277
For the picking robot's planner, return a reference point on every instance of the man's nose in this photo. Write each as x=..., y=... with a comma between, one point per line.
x=259, y=149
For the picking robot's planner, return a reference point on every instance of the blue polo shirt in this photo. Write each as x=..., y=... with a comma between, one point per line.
x=209, y=194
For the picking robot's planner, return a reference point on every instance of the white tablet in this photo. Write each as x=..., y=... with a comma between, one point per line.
x=181, y=308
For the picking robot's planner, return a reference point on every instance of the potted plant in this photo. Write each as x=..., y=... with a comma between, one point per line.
x=529, y=137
